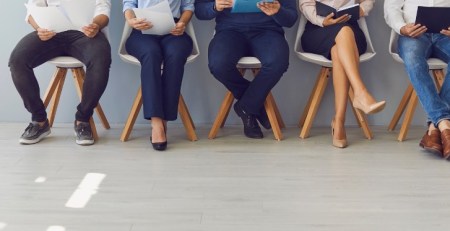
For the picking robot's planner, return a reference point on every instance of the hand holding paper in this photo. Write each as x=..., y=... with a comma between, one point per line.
x=223, y=4
x=91, y=30
x=179, y=29
x=139, y=23
x=45, y=34
x=70, y=15
x=160, y=16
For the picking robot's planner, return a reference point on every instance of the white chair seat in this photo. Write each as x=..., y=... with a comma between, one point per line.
x=248, y=63
x=66, y=62
x=322, y=61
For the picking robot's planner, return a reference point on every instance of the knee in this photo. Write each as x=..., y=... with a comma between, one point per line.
x=345, y=32
x=220, y=65
x=16, y=60
x=275, y=67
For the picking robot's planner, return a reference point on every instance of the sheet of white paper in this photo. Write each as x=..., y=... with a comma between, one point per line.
x=159, y=15
x=51, y=18
x=80, y=12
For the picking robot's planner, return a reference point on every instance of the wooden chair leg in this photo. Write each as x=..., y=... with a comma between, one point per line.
x=59, y=73
x=134, y=112
x=55, y=101
x=409, y=114
x=222, y=115
x=277, y=111
x=187, y=120
x=271, y=114
x=98, y=109
x=438, y=78
x=301, y=122
x=228, y=109
x=360, y=117
x=401, y=107
x=315, y=98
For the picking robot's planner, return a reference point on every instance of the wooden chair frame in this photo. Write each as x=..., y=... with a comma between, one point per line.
x=53, y=94
x=270, y=105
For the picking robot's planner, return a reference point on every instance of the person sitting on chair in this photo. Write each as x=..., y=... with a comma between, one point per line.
x=415, y=46
x=90, y=46
x=258, y=34
x=343, y=42
x=160, y=89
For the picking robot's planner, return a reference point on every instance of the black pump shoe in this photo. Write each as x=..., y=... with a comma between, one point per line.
x=159, y=146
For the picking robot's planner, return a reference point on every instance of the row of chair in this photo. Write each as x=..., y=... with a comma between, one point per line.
x=408, y=101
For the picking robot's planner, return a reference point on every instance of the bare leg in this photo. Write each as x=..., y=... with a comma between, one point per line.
x=158, y=131
x=341, y=87
x=347, y=51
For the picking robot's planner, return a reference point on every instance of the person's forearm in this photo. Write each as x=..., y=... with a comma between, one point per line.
x=129, y=14
x=186, y=16
x=32, y=22
x=101, y=20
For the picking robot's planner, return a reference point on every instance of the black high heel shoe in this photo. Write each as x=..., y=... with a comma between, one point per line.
x=160, y=146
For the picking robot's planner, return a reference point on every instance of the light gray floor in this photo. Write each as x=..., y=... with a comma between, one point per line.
x=227, y=184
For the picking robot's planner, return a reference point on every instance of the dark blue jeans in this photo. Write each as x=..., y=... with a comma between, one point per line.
x=160, y=88
x=228, y=46
x=30, y=52
x=415, y=52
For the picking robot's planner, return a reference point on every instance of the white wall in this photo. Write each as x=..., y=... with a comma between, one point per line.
x=385, y=78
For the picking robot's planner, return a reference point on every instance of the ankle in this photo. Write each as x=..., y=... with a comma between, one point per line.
x=443, y=125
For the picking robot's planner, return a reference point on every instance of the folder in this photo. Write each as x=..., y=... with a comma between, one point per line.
x=434, y=18
x=247, y=6
x=352, y=10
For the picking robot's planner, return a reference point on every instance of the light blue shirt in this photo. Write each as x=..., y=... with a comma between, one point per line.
x=177, y=6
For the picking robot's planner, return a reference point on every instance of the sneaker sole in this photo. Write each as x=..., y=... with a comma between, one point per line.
x=83, y=142
x=42, y=136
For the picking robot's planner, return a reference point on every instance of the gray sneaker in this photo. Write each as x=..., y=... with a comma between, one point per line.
x=83, y=133
x=35, y=133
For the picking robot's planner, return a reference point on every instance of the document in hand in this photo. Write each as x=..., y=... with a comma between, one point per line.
x=159, y=15
x=247, y=6
x=352, y=10
x=70, y=15
x=434, y=18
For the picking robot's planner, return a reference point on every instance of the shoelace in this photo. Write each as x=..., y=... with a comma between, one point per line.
x=251, y=121
x=84, y=129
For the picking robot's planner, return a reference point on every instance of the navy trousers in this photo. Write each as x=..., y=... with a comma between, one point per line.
x=160, y=87
x=228, y=46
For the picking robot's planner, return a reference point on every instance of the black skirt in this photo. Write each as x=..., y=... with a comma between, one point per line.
x=320, y=40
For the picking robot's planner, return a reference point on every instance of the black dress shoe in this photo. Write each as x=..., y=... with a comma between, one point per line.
x=159, y=146
x=263, y=119
x=251, y=127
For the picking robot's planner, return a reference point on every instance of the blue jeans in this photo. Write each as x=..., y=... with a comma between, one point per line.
x=228, y=46
x=415, y=52
x=30, y=52
x=160, y=91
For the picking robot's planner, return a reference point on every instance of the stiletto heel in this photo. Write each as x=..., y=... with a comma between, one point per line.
x=337, y=143
x=369, y=109
x=160, y=146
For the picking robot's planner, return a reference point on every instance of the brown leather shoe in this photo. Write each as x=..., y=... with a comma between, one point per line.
x=432, y=142
x=445, y=137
